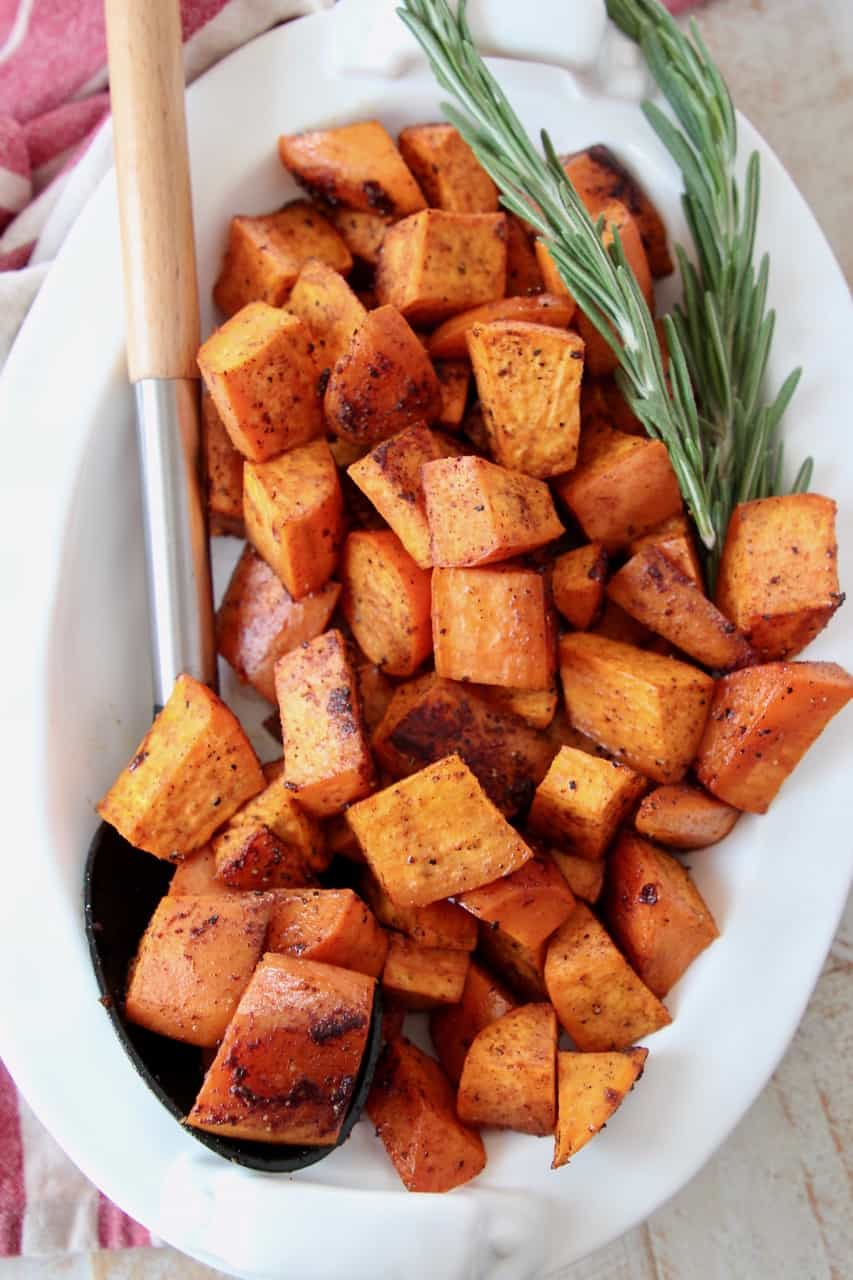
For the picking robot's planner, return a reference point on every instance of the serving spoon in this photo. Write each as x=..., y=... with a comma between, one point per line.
x=123, y=885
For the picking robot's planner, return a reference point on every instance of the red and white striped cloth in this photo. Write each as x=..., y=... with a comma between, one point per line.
x=53, y=97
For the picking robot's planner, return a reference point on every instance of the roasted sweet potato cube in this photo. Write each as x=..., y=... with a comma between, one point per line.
x=521, y=967
x=383, y=383
x=509, y=1078
x=479, y=513
x=523, y=275
x=265, y=255
x=294, y=516
x=446, y=169
x=530, y=904
x=536, y=707
x=674, y=538
x=332, y=926
x=621, y=487
x=647, y=710
x=528, y=377
x=583, y=800
x=192, y=770
x=584, y=876
x=601, y=359
x=599, y=999
x=778, y=578
x=423, y=977
x=455, y=379
x=356, y=165
x=196, y=874
x=361, y=232
x=386, y=601
x=413, y=1108
x=224, y=470
x=434, y=264
x=763, y=720
x=453, y=1029
x=194, y=961
x=262, y=375
x=375, y=691
x=327, y=759
x=329, y=309
x=590, y=1087
x=435, y=834
x=450, y=340
x=598, y=177
x=288, y=1065
x=578, y=581
x=494, y=625
x=684, y=816
x=270, y=843
x=652, y=589
x=440, y=924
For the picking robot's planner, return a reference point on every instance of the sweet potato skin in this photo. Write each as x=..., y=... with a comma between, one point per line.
x=598, y=176
x=762, y=722
x=447, y=170
x=450, y=340
x=356, y=165
x=509, y=1077
x=224, y=471
x=331, y=926
x=684, y=817
x=453, y=1029
x=590, y=1087
x=386, y=600
x=328, y=308
x=419, y=977
x=529, y=905
x=441, y=925
x=582, y=800
x=577, y=581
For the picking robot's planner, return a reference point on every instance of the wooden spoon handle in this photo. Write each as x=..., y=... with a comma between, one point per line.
x=155, y=204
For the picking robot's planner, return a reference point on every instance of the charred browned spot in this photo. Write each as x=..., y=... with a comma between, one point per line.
x=613, y=1096
x=140, y=758
x=336, y=1024
x=648, y=895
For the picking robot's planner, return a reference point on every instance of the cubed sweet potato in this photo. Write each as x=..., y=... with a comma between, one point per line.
x=196, y=874
x=435, y=264
x=419, y=977
x=598, y=176
x=453, y=1029
x=621, y=487
x=521, y=967
x=332, y=926
x=262, y=375
x=577, y=581
x=530, y=904
x=194, y=961
x=413, y=1108
x=684, y=817
x=224, y=471
x=479, y=513
x=294, y=516
x=327, y=758
x=778, y=578
x=450, y=340
x=536, y=707
x=523, y=275
x=583, y=800
x=446, y=169
x=270, y=843
x=362, y=232
x=288, y=1065
x=329, y=309
x=386, y=600
x=383, y=383
x=590, y=1087
x=356, y=165
x=763, y=720
x=645, y=709
x=435, y=834
x=390, y=476
x=528, y=378
x=259, y=621
x=599, y=999
x=439, y=924
x=455, y=379
x=674, y=538
x=584, y=876
x=265, y=255
x=494, y=625
x=192, y=770
x=509, y=1078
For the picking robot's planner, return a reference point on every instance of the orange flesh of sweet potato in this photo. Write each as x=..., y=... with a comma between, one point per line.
x=269, y=843
x=413, y=1108
x=446, y=169
x=189, y=774
x=522, y=968
x=258, y=620
x=599, y=999
x=652, y=589
x=376, y=692
x=327, y=759
x=674, y=538
x=288, y=1064
x=647, y=710
x=435, y=834
x=615, y=624
x=440, y=924
x=383, y=383
x=224, y=471
x=778, y=576
x=552, y=281
x=386, y=601
x=194, y=961
x=453, y=1029
x=361, y=232
x=584, y=876
x=419, y=264
x=329, y=309
x=332, y=926
x=523, y=274
x=494, y=625
x=601, y=359
x=419, y=977
x=536, y=707
x=762, y=722
x=654, y=911
x=262, y=375
x=530, y=904
x=479, y=513
x=528, y=378
x=294, y=516
x=590, y=1087
x=455, y=379
x=265, y=255
x=598, y=176
x=684, y=817
x=450, y=340
x=583, y=800
x=196, y=874
x=356, y=165
x=509, y=1077
x=577, y=581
